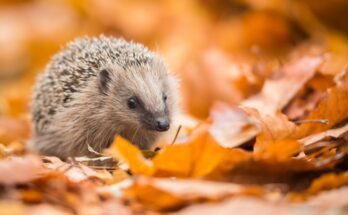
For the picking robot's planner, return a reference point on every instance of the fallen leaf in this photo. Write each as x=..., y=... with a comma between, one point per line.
x=231, y=126
x=277, y=138
x=279, y=90
x=332, y=108
x=249, y=205
x=17, y=170
x=47, y=209
x=130, y=154
x=236, y=161
x=330, y=199
x=281, y=149
x=308, y=98
x=31, y=196
x=327, y=182
x=74, y=171
x=331, y=133
x=198, y=157
x=172, y=194
x=160, y=201
x=190, y=159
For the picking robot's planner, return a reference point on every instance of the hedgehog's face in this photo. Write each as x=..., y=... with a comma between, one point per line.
x=143, y=96
x=152, y=120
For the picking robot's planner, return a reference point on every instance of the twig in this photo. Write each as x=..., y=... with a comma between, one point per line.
x=176, y=135
x=74, y=163
x=321, y=121
x=102, y=168
x=65, y=169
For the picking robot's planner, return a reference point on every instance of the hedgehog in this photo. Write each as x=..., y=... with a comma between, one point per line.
x=99, y=87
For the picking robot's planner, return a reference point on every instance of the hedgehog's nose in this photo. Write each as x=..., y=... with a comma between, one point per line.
x=162, y=124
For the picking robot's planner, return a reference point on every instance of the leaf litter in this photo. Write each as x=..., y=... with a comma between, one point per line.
x=268, y=113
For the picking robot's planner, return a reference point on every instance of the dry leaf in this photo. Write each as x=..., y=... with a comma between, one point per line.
x=331, y=133
x=223, y=51
x=279, y=90
x=308, y=98
x=332, y=108
x=232, y=126
x=130, y=154
x=74, y=171
x=327, y=182
x=198, y=157
x=275, y=131
x=171, y=194
x=16, y=170
x=191, y=159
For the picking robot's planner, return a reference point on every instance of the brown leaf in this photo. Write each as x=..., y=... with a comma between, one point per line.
x=327, y=182
x=197, y=157
x=277, y=138
x=279, y=90
x=46, y=208
x=248, y=205
x=202, y=157
x=333, y=108
x=172, y=194
x=232, y=126
x=331, y=199
x=332, y=133
x=152, y=198
x=308, y=98
x=31, y=196
x=76, y=172
x=281, y=149
x=16, y=170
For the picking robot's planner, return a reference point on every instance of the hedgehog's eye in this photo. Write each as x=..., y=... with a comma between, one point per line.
x=132, y=102
x=165, y=97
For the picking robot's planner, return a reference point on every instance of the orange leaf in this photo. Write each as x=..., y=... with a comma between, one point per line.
x=130, y=154
x=198, y=157
x=20, y=169
x=277, y=92
x=333, y=108
x=327, y=182
x=281, y=149
x=153, y=198
x=276, y=132
x=169, y=194
x=332, y=133
x=231, y=125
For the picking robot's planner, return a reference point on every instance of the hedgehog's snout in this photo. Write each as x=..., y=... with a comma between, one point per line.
x=162, y=124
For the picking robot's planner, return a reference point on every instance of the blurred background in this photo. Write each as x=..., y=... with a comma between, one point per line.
x=222, y=50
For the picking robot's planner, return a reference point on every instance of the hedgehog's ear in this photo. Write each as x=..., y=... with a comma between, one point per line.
x=104, y=79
